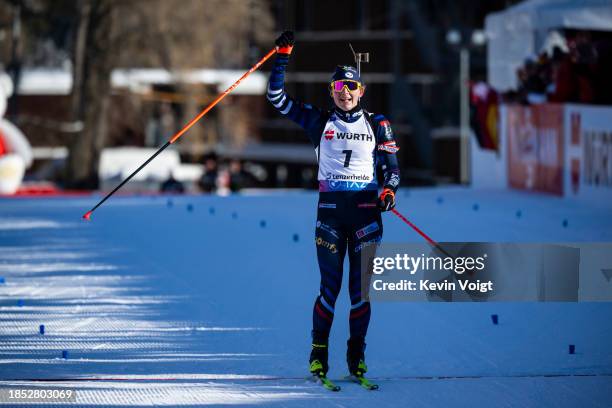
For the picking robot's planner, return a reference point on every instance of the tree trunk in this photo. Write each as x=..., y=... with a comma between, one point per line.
x=76, y=168
x=91, y=93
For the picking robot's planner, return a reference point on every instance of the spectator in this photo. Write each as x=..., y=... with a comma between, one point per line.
x=563, y=77
x=574, y=69
x=603, y=74
x=208, y=181
x=238, y=178
x=172, y=186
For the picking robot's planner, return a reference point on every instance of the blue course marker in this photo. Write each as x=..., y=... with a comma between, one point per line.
x=190, y=207
x=494, y=319
x=65, y=354
x=41, y=329
x=519, y=214
x=262, y=223
x=296, y=237
x=440, y=200
x=2, y=280
x=565, y=223
x=211, y=210
x=20, y=302
x=572, y=349
x=475, y=207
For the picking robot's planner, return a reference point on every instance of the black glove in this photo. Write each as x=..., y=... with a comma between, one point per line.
x=386, y=200
x=284, y=43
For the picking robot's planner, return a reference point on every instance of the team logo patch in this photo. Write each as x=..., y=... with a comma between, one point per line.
x=368, y=229
x=348, y=74
x=329, y=134
x=389, y=147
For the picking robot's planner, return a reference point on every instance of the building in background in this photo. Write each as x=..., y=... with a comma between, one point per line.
x=413, y=77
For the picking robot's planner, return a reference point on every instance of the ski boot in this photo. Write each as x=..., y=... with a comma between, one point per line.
x=318, y=362
x=319, y=354
x=355, y=358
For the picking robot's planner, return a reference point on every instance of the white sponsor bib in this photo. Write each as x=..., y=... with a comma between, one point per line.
x=346, y=156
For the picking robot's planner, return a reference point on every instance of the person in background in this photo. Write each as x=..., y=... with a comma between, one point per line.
x=172, y=186
x=238, y=178
x=208, y=181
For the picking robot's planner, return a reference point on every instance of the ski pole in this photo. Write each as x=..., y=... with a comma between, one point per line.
x=421, y=233
x=87, y=215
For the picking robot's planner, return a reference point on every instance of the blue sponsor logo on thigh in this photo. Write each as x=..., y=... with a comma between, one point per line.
x=368, y=229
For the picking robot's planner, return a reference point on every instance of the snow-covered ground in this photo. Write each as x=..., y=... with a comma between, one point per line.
x=200, y=300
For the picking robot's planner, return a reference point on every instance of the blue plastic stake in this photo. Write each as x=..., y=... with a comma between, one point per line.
x=495, y=319
x=41, y=329
x=296, y=237
x=65, y=354
x=572, y=349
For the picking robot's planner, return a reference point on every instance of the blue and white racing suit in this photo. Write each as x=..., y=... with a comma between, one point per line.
x=350, y=147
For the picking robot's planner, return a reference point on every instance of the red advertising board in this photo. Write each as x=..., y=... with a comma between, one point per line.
x=535, y=147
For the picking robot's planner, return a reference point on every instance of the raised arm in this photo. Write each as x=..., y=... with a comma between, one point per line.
x=310, y=118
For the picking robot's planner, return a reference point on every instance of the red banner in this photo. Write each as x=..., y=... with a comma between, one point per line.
x=535, y=148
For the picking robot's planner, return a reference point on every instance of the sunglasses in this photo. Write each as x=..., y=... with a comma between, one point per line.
x=350, y=85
